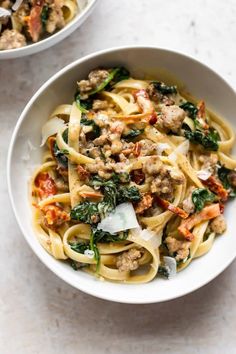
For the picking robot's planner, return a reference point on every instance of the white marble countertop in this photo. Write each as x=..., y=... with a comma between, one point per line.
x=38, y=312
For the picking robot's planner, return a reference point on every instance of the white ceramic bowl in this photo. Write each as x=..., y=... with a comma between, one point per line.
x=53, y=39
x=203, y=83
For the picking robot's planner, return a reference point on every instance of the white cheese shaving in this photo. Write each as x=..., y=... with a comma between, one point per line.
x=123, y=218
x=150, y=236
x=17, y=4
x=4, y=12
x=182, y=149
x=204, y=174
x=162, y=147
x=51, y=127
x=171, y=266
x=89, y=253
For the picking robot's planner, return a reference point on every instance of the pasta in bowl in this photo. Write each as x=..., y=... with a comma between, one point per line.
x=132, y=176
x=134, y=179
x=29, y=26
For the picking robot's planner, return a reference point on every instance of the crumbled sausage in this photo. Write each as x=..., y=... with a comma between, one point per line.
x=153, y=165
x=95, y=78
x=12, y=39
x=164, y=179
x=56, y=19
x=178, y=248
x=99, y=105
x=144, y=204
x=171, y=118
x=128, y=260
x=101, y=140
x=218, y=225
x=147, y=147
x=83, y=173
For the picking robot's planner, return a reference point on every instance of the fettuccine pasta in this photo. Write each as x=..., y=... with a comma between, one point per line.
x=134, y=179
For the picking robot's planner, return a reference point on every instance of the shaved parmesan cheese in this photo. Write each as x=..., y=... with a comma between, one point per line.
x=182, y=149
x=162, y=147
x=89, y=253
x=4, y=13
x=123, y=218
x=170, y=265
x=17, y=4
x=203, y=174
x=51, y=127
x=150, y=236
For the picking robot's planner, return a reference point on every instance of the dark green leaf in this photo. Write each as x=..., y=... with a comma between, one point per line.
x=128, y=194
x=83, y=105
x=86, y=212
x=122, y=177
x=133, y=133
x=114, y=194
x=60, y=156
x=105, y=237
x=163, y=271
x=44, y=15
x=190, y=108
x=115, y=75
x=163, y=88
x=224, y=174
x=201, y=197
x=208, y=139
x=79, y=247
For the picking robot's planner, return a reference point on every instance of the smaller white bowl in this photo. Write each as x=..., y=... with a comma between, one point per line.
x=53, y=39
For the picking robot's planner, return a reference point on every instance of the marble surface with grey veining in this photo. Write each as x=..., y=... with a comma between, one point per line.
x=38, y=312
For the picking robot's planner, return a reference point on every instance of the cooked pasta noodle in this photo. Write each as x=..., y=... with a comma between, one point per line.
x=134, y=183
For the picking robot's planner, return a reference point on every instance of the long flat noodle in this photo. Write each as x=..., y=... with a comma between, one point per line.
x=198, y=233
x=63, y=198
x=229, y=162
x=56, y=245
x=63, y=109
x=162, y=219
x=73, y=142
x=132, y=84
x=186, y=167
x=51, y=241
x=126, y=107
x=205, y=246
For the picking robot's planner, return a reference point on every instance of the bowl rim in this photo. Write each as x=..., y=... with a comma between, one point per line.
x=81, y=287
x=41, y=43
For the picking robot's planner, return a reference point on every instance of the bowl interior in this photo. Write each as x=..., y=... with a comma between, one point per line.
x=142, y=62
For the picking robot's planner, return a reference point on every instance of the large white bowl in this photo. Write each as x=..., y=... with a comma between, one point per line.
x=203, y=83
x=50, y=40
